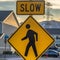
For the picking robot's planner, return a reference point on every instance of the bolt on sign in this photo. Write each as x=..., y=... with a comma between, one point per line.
x=30, y=8
x=31, y=40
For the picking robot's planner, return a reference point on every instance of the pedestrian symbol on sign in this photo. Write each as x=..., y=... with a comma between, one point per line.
x=30, y=34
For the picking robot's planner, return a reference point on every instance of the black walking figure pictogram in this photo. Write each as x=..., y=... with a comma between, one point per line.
x=32, y=35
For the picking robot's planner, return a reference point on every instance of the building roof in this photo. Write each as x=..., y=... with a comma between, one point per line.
x=4, y=14
x=8, y=17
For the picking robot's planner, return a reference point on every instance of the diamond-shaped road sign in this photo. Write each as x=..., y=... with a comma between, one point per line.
x=30, y=40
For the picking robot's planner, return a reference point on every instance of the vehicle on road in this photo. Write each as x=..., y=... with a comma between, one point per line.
x=53, y=48
x=51, y=53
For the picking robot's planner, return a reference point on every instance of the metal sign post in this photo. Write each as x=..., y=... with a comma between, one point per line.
x=5, y=41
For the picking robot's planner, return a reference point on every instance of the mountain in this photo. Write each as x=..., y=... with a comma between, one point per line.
x=50, y=24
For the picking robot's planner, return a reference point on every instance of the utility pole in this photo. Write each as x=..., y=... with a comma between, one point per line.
x=48, y=4
x=48, y=10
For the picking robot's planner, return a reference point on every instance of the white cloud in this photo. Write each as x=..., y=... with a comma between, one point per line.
x=55, y=7
x=1, y=8
x=55, y=3
x=22, y=18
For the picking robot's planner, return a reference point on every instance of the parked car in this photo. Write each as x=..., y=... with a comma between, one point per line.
x=53, y=48
x=58, y=50
x=7, y=52
x=51, y=53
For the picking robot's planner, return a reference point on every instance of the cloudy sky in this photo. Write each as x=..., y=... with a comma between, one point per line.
x=54, y=10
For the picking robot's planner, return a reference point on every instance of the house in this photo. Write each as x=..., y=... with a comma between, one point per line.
x=8, y=24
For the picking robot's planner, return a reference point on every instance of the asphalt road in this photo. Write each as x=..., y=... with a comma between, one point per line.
x=22, y=59
x=14, y=57
x=49, y=59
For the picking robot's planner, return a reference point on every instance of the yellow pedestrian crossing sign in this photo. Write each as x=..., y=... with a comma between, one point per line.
x=31, y=40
